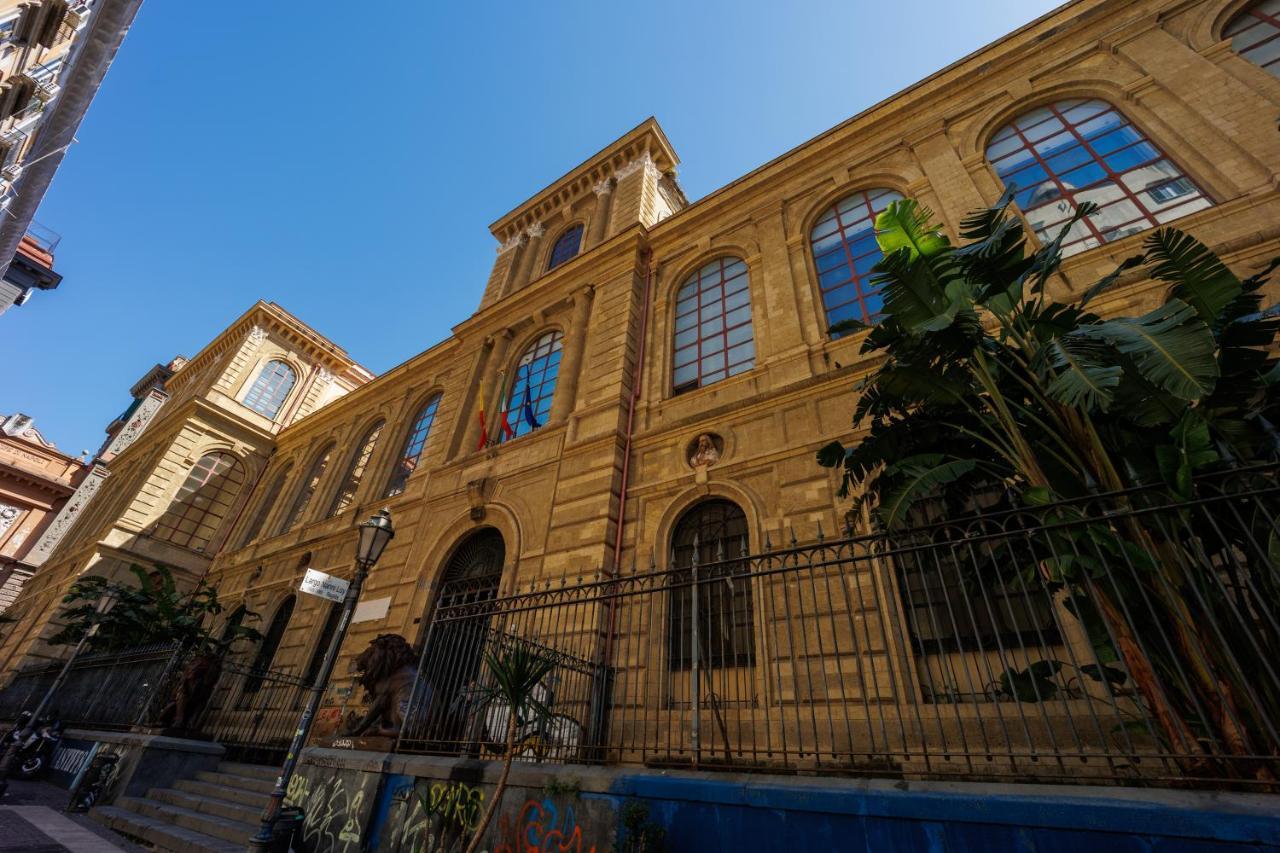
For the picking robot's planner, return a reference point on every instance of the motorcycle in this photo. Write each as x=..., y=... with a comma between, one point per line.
x=11, y=736
x=36, y=752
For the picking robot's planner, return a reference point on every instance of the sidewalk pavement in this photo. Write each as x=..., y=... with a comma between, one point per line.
x=32, y=821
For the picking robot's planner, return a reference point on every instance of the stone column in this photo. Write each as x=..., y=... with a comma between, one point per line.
x=600, y=219
x=566, y=397
x=528, y=256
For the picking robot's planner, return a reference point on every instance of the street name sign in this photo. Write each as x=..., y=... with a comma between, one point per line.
x=324, y=586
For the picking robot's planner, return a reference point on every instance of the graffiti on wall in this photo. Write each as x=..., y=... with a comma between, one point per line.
x=433, y=817
x=541, y=827
x=334, y=812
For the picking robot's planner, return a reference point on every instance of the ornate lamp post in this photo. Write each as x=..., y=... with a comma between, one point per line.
x=101, y=608
x=374, y=536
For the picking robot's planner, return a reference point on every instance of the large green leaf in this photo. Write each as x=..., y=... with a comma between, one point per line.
x=915, y=477
x=1171, y=347
x=905, y=225
x=1199, y=278
x=1086, y=377
x=1108, y=281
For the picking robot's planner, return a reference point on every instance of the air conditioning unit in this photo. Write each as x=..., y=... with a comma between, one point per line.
x=11, y=172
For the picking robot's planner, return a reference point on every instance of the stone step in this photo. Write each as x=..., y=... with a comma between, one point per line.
x=209, y=805
x=262, y=786
x=161, y=835
x=253, y=771
x=228, y=793
x=219, y=827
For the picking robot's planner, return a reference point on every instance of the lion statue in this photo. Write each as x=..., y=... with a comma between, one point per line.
x=386, y=671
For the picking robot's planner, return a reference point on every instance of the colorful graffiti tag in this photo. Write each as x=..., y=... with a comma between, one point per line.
x=541, y=828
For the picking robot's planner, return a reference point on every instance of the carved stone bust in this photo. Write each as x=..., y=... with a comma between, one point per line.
x=705, y=450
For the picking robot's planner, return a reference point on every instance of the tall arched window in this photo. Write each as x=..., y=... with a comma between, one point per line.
x=566, y=246
x=715, y=532
x=1069, y=152
x=413, y=444
x=265, y=506
x=713, y=325
x=203, y=501
x=307, y=490
x=844, y=251
x=529, y=401
x=355, y=471
x=1255, y=34
x=270, y=389
x=266, y=653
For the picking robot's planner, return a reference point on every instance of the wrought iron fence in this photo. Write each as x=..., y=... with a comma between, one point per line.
x=107, y=690
x=1124, y=637
x=253, y=712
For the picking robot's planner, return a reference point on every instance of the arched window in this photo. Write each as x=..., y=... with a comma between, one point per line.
x=333, y=612
x=1255, y=34
x=1069, y=152
x=715, y=532
x=270, y=645
x=307, y=490
x=844, y=251
x=529, y=402
x=270, y=389
x=203, y=501
x=355, y=471
x=566, y=247
x=267, y=504
x=413, y=444
x=713, y=325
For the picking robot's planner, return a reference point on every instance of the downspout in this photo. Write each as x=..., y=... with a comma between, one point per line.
x=647, y=257
x=605, y=682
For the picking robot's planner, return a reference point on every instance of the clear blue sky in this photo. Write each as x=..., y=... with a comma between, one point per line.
x=346, y=163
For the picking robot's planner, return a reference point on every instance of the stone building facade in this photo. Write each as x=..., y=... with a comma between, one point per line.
x=651, y=357
x=36, y=479
x=36, y=42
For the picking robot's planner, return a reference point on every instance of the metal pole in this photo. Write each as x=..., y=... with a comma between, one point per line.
x=695, y=696
x=261, y=843
x=11, y=753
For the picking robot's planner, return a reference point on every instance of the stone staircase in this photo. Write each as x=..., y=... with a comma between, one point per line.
x=216, y=812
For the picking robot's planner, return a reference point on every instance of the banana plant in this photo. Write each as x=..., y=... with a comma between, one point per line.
x=986, y=377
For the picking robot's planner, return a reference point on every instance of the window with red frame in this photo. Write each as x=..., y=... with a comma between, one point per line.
x=1255, y=35
x=203, y=502
x=529, y=402
x=844, y=250
x=566, y=247
x=1066, y=153
x=266, y=506
x=713, y=337
x=413, y=444
x=270, y=389
x=355, y=471
x=308, y=490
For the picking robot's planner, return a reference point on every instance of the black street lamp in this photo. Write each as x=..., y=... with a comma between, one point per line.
x=101, y=608
x=374, y=536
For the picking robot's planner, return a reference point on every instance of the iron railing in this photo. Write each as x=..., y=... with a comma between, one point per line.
x=253, y=712
x=1125, y=637
x=107, y=690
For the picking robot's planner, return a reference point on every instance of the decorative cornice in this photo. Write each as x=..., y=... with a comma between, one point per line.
x=257, y=335
x=535, y=230
x=644, y=161
x=603, y=187
x=513, y=243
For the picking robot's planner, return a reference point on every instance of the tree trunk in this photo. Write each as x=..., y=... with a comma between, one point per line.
x=502, y=784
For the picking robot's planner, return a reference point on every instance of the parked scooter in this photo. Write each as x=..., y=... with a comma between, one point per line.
x=36, y=752
x=12, y=735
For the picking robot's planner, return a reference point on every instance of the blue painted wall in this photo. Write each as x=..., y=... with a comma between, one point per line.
x=707, y=814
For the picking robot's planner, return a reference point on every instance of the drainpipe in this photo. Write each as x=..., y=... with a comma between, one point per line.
x=93, y=53
x=647, y=258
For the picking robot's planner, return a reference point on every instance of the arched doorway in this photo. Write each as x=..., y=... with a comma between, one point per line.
x=457, y=632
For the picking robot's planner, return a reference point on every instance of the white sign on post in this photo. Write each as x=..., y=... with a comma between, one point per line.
x=324, y=586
